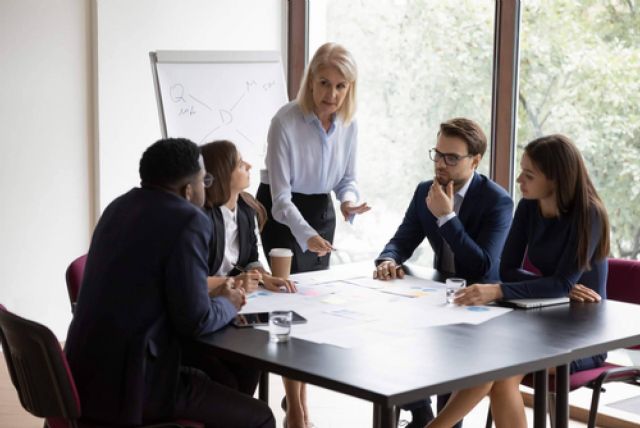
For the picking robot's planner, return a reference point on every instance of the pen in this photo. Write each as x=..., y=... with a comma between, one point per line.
x=244, y=270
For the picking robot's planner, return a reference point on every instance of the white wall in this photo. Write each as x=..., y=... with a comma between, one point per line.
x=127, y=32
x=45, y=123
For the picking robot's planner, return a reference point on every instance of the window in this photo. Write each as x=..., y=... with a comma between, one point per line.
x=420, y=63
x=579, y=65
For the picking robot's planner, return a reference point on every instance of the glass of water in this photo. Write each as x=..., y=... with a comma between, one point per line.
x=279, y=325
x=452, y=286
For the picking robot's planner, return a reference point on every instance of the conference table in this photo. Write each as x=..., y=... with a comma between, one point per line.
x=446, y=358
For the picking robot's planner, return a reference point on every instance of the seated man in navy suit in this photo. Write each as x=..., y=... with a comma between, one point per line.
x=144, y=291
x=464, y=215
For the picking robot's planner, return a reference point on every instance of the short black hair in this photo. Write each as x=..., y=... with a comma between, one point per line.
x=169, y=162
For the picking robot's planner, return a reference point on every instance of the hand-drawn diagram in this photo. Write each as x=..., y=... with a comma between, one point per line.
x=189, y=105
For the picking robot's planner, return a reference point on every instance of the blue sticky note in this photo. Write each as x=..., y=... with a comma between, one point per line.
x=477, y=309
x=257, y=294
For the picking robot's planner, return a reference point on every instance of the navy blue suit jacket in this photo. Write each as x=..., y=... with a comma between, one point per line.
x=247, y=239
x=476, y=235
x=551, y=245
x=144, y=291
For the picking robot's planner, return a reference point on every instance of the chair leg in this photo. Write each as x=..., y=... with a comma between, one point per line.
x=593, y=411
x=552, y=409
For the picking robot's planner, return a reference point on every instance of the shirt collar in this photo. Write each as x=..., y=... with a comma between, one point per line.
x=311, y=117
x=228, y=214
x=463, y=190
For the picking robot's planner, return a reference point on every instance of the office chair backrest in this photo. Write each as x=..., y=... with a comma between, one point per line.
x=38, y=368
x=623, y=282
x=74, y=275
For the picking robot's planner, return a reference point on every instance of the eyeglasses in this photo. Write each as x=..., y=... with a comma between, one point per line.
x=451, y=159
x=207, y=180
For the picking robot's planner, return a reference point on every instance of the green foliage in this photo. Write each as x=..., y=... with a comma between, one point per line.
x=422, y=62
x=579, y=75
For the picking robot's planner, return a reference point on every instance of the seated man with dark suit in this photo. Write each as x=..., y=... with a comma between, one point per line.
x=465, y=216
x=145, y=291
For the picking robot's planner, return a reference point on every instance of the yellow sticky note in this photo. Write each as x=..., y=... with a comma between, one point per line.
x=334, y=300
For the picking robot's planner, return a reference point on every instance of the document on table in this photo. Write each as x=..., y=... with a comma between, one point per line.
x=320, y=277
x=408, y=282
x=355, y=311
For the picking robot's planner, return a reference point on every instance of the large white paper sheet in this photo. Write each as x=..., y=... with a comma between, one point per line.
x=351, y=311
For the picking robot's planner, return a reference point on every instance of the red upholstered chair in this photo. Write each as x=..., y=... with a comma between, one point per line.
x=74, y=275
x=39, y=371
x=623, y=284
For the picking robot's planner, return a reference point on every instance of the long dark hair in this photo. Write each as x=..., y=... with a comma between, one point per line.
x=560, y=161
x=220, y=160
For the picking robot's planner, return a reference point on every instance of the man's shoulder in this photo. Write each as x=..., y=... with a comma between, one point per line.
x=423, y=187
x=158, y=204
x=488, y=187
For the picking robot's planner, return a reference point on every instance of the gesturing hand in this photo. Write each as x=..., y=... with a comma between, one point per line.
x=439, y=202
x=349, y=209
x=319, y=245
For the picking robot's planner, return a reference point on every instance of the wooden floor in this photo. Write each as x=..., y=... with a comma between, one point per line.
x=12, y=415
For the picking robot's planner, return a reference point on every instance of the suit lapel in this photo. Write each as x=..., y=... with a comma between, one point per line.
x=243, y=229
x=471, y=199
x=215, y=259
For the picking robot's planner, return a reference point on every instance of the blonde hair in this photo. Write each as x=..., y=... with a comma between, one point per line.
x=330, y=55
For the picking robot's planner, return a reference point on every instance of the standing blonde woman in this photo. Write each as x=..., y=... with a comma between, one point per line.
x=311, y=152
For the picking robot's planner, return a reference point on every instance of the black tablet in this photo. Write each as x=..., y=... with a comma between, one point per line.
x=262, y=318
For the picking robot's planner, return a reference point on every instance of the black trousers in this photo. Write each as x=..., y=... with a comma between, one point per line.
x=217, y=406
x=224, y=371
x=317, y=210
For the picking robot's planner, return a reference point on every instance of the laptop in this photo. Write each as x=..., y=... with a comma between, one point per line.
x=535, y=303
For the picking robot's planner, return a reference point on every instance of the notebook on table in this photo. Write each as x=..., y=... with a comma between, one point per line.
x=535, y=303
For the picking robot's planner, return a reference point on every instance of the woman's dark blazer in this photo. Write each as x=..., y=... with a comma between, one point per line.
x=246, y=236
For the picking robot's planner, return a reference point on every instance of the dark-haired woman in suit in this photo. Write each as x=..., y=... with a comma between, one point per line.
x=233, y=253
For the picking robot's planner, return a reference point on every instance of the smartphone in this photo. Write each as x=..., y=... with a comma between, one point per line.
x=262, y=318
